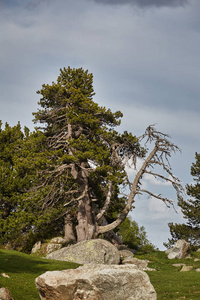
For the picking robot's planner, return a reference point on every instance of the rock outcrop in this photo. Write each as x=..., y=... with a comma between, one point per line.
x=58, y=240
x=180, y=250
x=36, y=247
x=46, y=248
x=51, y=247
x=96, y=282
x=97, y=251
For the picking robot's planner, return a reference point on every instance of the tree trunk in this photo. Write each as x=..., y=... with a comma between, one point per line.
x=86, y=228
x=111, y=235
x=68, y=229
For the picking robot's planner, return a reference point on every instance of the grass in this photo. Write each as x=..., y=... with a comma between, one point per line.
x=168, y=281
x=22, y=270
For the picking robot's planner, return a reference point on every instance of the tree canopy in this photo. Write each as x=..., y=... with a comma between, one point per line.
x=85, y=152
x=191, y=211
x=73, y=166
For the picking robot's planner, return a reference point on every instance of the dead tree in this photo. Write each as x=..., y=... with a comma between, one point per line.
x=159, y=156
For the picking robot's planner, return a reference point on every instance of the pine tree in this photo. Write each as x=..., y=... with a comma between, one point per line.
x=73, y=167
x=22, y=220
x=134, y=236
x=10, y=184
x=83, y=161
x=87, y=157
x=191, y=211
x=13, y=182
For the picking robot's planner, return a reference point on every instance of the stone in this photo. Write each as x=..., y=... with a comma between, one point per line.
x=5, y=294
x=96, y=251
x=5, y=275
x=196, y=259
x=174, y=253
x=198, y=250
x=168, y=251
x=125, y=254
x=124, y=247
x=186, y=268
x=180, y=250
x=150, y=269
x=178, y=265
x=36, y=247
x=96, y=282
x=141, y=264
x=197, y=270
x=58, y=240
x=55, y=244
x=51, y=247
x=9, y=246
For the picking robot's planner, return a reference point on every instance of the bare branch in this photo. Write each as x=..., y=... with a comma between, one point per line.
x=134, y=191
x=164, y=199
x=174, y=181
x=158, y=156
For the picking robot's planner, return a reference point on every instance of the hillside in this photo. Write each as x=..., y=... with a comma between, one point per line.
x=168, y=281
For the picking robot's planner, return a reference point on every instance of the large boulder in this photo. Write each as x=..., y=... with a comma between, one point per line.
x=96, y=282
x=180, y=250
x=97, y=251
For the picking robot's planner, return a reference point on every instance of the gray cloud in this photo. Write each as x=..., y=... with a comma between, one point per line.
x=145, y=3
x=146, y=65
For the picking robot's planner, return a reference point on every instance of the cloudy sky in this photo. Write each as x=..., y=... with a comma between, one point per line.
x=145, y=57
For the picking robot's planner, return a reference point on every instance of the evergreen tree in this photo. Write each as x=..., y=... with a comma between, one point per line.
x=72, y=167
x=11, y=184
x=191, y=211
x=22, y=220
x=83, y=149
x=87, y=157
x=134, y=236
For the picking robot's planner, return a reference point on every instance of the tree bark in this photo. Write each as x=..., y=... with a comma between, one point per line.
x=111, y=235
x=86, y=226
x=68, y=229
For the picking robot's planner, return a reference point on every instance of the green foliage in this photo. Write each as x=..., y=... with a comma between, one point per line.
x=10, y=184
x=13, y=181
x=134, y=236
x=45, y=173
x=81, y=144
x=191, y=211
x=22, y=158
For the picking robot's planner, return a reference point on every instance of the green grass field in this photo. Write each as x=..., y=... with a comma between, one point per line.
x=168, y=281
x=23, y=269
